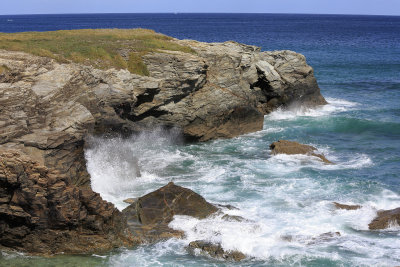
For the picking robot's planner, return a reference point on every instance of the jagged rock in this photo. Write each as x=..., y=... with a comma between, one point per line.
x=42, y=213
x=346, y=207
x=294, y=148
x=215, y=251
x=150, y=215
x=385, y=218
x=47, y=109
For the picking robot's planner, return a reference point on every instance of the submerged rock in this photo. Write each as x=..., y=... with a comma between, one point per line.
x=385, y=219
x=231, y=218
x=325, y=237
x=215, y=251
x=346, y=207
x=150, y=215
x=294, y=148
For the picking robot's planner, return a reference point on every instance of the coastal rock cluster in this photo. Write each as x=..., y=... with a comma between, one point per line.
x=41, y=212
x=48, y=109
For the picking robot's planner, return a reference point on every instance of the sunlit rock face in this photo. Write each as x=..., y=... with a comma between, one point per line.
x=222, y=90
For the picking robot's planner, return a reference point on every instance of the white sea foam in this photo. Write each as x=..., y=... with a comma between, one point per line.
x=334, y=106
x=115, y=164
x=286, y=209
x=283, y=163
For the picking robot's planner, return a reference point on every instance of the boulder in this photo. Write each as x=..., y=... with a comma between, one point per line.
x=215, y=251
x=346, y=207
x=294, y=148
x=150, y=215
x=385, y=219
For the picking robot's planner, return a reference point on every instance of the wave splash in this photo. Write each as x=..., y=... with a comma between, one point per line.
x=334, y=106
x=122, y=168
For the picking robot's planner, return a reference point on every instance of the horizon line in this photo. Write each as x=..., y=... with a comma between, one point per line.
x=177, y=13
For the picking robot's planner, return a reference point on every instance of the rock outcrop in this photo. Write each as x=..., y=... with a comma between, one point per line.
x=385, y=219
x=346, y=207
x=294, y=148
x=222, y=91
x=47, y=109
x=42, y=213
x=150, y=215
x=215, y=251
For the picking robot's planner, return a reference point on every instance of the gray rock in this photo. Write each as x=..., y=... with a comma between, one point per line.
x=48, y=109
x=215, y=251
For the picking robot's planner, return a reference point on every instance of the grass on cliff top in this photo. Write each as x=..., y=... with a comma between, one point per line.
x=101, y=48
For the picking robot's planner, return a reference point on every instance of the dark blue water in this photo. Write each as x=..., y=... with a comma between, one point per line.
x=357, y=64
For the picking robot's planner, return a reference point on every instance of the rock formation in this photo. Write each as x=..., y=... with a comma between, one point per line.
x=385, y=219
x=294, y=148
x=346, y=207
x=42, y=213
x=150, y=215
x=47, y=109
x=215, y=251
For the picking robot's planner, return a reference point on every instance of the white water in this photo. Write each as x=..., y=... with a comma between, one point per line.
x=283, y=197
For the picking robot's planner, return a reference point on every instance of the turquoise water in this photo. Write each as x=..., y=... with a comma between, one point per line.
x=357, y=64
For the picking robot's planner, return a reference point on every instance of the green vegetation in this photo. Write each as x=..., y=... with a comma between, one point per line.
x=101, y=48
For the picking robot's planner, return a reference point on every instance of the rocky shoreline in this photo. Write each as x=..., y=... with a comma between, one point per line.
x=48, y=109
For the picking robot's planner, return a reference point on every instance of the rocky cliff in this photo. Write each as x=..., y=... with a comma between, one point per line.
x=48, y=108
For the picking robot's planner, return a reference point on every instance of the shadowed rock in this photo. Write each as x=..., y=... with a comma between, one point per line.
x=385, y=219
x=41, y=212
x=346, y=207
x=150, y=215
x=215, y=251
x=294, y=148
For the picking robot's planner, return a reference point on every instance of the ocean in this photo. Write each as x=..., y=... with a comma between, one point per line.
x=357, y=64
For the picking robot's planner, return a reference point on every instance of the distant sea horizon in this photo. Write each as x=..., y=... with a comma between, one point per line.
x=238, y=13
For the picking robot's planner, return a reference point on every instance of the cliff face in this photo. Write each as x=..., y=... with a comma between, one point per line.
x=41, y=212
x=221, y=91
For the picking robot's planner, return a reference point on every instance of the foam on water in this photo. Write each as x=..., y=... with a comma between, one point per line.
x=334, y=106
x=285, y=199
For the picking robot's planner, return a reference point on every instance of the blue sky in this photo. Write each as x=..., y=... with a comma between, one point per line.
x=376, y=7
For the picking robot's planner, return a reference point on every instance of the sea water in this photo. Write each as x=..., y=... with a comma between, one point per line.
x=286, y=199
